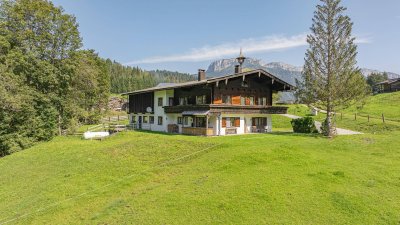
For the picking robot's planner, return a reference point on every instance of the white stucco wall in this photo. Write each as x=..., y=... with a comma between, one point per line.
x=245, y=123
x=159, y=110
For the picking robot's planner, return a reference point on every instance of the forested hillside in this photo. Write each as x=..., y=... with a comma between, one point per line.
x=48, y=84
x=126, y=78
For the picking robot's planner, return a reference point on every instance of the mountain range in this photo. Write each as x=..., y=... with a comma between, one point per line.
x=284, y=71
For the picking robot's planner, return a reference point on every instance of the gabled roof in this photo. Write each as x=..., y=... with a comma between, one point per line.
x=390, y=81
x=211, y=80
x=165, y=84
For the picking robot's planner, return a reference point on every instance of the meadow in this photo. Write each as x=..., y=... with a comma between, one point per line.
x=155, y=178
x=151, y=178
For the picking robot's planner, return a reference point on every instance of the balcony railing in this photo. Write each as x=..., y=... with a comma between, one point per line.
x=221, y=108
x=198, y=131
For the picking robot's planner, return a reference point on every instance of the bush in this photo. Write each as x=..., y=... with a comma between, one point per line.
x=304, y=125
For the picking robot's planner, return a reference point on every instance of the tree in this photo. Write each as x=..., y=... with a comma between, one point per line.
x=331, y=78
x=46, y=83
x=375, y=78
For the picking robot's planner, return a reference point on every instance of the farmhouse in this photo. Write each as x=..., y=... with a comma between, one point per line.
x=233, y=104
x=388, y=85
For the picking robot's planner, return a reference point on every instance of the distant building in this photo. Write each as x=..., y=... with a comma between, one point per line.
x=390, y=85
x=233, y=104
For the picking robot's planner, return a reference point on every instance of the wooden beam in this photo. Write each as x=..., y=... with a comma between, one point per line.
x=217, y=83
x=243, y=77
x=226, y=81
x=273, y=81
x=259, y=74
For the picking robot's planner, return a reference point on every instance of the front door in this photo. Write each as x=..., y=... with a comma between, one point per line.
x=259, y=124
x=140, y=122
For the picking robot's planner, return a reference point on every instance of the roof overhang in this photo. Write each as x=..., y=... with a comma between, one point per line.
x=196, y=113
x=259, y=72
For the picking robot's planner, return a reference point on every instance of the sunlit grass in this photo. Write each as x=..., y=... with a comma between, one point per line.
x=145, y=178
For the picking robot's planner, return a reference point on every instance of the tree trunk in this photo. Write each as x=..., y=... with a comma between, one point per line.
x=329, y=129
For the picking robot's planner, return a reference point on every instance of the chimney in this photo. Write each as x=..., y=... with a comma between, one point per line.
x=201, y=75
x=238, y=69
x=240, y=60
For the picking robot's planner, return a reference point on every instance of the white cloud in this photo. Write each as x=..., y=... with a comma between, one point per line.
x=363, y=40
x=251, y=45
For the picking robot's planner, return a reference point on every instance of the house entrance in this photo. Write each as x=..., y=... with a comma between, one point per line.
x=140, y=122
x=259, y=124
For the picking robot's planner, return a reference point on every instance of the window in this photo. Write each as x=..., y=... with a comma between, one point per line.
x=264, y=101
x=171, y=101
x=160, y=120
x=242, y=100
x=260, y=101
x=180, y=120
x=133, y=119
x=259, y=121
x=151, y=119
x=201, y=99
x=183, y=101
x=145, y=119
x=226, y=99
x=186, y=120
x=231, y=122
x=160, y=101
x=247, y=101
x=251, y=100
x=200, y=121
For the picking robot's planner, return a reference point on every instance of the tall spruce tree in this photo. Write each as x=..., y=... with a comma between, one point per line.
x=331, y=79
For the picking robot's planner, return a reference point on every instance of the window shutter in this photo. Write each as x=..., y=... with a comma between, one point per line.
x=236, y=100
x=223, y=122
x=217, y=100
x=237, y=122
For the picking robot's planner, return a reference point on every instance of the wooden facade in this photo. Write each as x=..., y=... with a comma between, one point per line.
x=219, y=108
x=239, y=88
x=191, y=93
x=232, y=104
x=247, y=95
x=140, y=102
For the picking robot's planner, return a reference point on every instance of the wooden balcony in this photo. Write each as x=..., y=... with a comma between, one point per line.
x=228, y=109
x=199, y=131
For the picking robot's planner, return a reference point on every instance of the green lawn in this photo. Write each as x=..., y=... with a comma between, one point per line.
x=150, y=178
x=388, y=104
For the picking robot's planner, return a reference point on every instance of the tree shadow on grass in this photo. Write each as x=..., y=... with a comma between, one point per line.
x=288, y=133
x=155, y=132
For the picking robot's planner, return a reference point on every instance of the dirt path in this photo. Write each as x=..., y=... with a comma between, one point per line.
x=340, y=131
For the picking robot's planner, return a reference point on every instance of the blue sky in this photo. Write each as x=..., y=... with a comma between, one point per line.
x=183, y=35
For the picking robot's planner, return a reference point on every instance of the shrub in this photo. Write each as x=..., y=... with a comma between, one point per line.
x=304, y=125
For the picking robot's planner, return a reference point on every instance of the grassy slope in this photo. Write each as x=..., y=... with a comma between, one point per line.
x=248, y=179
x=389, y=104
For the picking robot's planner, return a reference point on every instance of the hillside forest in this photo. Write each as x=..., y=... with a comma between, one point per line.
x=49, y=84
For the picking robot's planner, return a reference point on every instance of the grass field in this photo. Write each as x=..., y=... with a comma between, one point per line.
x=387, y=104
x=150, y=178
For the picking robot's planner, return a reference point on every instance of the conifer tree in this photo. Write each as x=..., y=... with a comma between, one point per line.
x=331, y=79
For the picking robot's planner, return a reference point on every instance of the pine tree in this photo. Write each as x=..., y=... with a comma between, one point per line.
x=331, y=79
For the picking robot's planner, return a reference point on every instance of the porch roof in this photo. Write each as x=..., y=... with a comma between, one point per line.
x=195, y=113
